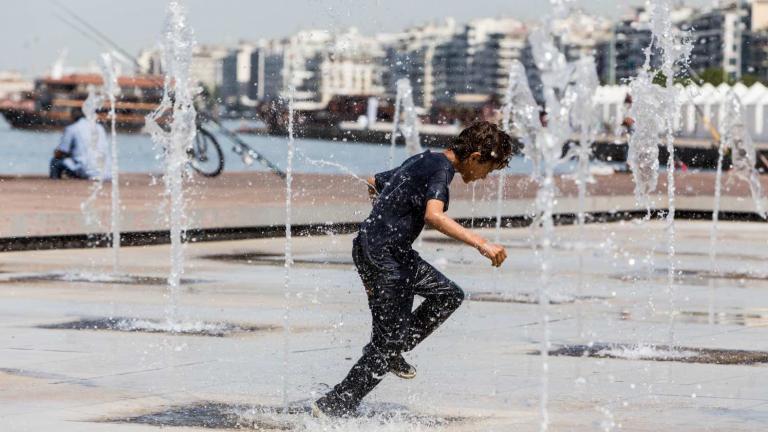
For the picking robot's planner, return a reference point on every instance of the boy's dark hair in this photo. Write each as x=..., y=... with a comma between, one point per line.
x=486, y=138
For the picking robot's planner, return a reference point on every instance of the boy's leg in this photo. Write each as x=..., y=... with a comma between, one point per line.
x=387, y=341
x=441, y=298
x=390, y=303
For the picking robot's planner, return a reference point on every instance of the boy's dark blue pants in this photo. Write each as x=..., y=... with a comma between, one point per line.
x=391, y=280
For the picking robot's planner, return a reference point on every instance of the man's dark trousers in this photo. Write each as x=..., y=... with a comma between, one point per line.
x=59, y=167
x=391, y=279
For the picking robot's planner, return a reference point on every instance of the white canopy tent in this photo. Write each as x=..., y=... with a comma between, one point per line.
x=707, y=98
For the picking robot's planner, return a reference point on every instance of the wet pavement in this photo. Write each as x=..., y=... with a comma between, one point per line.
x=84, y=350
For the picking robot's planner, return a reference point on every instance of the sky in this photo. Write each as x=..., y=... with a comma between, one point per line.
x=32, y=34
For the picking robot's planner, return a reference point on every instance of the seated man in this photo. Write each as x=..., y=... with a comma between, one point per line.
x=83, y=152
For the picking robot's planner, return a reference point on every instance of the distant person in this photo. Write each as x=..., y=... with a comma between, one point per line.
x=83, y=152
x=680, y=165
x=628, y=123
x=44, y=98
x=543, y=118
x=392, y=273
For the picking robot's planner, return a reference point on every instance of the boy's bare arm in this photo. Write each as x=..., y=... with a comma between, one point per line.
x=435, y=217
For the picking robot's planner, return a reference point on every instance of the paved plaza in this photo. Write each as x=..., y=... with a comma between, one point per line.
x=66, y=366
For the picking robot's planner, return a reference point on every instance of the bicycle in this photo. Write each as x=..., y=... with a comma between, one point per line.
x=206, y=157
x=205, y=154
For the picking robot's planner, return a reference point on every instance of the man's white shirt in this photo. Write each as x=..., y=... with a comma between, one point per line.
x=88, y=149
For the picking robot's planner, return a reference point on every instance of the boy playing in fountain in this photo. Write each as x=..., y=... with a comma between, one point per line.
x=393, y=273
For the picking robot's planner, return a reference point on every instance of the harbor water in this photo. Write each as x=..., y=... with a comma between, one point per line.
x=28, y=153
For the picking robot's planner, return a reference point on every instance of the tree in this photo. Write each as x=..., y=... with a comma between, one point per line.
x=714, y=76
x=750, y=80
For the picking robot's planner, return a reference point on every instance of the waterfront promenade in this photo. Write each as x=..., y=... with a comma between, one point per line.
x=36, y=206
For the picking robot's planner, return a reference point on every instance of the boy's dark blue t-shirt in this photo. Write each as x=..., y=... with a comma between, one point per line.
x=397, y=217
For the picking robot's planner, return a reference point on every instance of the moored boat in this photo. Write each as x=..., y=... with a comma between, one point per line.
x=49, y=106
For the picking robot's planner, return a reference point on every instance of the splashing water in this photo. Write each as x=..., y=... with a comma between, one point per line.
x=643, y=352
x=585, y=117
x=288, y=245
x=544, y=202
x=567, y=87
x=473, y=209
x=520, y=107
x=512, y=84
x=554, y=73
x=134, y=324
x=716, y=217
x=395, y=127
x=744, y=154
x=499, y=205
x=177, y=45
x=96, y=162
x=713, y=228
x=112, y=90
x=643, y=152
x=78, y=276
x=520, y=116
x=522, y=111
x=372, y=418
x=325, y=163
x=676, y=51
x=744, y=159
x=410, y=128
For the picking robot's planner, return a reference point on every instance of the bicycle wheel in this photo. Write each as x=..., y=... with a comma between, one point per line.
x=206, y=156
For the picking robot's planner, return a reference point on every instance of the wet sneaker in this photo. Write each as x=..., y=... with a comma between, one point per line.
x=317, y=412
x=401, y=368
x=324, y=409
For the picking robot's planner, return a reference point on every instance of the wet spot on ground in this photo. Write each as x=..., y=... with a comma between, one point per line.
x=260, y=258
x=217, y=415
x=663, y=353
x=93, y=278
x=528, y=298
x=138, y=325
x=694, y=277
x=746, y=319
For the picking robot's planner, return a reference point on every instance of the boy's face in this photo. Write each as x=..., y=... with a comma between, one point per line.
x=472, y=169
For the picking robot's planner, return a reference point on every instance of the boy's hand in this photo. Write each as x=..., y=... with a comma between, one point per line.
x=496, y=253
x=435, y=216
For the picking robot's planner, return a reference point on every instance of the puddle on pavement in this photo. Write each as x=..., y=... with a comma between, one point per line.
x=509, y=244
x=138, y=325
x=528, y=298
x=706, y=274
x=693, y=276
x=27, y=373
x=216, y=415
x=662, y=353
x=83, y=277
x=746, y=319
x=720, y=255
x=260, y=258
